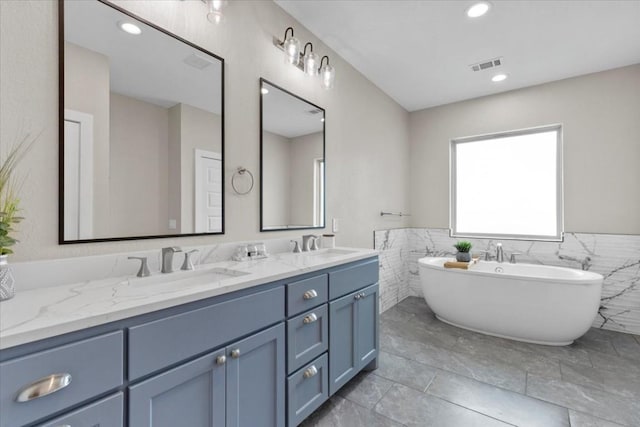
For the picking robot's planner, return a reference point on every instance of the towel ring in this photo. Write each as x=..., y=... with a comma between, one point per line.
x=241, y=171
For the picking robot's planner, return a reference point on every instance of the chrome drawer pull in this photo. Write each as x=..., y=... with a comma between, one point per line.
x=358, y=296
x=310, y=372
x=310, y=294
x=221, y=360
x=64, y=425
x=235, y=353
x=43, y=387
x=310, y=318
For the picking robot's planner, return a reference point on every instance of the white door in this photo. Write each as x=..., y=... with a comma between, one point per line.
x=78, y=175
x=208, y=189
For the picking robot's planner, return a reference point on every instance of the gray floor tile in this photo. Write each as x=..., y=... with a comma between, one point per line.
x=504, y=351
x=513, y=408
x=481, y=368
x=366, y=389
x=415, y=305
x=611, y=382
x=418, y=332
x=594, y=402
x=578, y=419
x=620, y=365
x=596, y=340
x=405, y=371
x=626, y=346
x=339, y=412
x=412, y=408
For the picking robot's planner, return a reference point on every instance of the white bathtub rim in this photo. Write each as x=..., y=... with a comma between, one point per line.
x=509, y=337
x=588, y=277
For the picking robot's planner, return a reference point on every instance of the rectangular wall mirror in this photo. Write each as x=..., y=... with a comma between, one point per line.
x=141, y=129
x=292, y=163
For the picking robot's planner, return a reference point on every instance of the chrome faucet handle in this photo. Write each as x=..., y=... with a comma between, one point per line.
x=188, y=264
x=314, y=243
x=296, y=247
x=144, y=267
x=487, y=255
x=512, y=258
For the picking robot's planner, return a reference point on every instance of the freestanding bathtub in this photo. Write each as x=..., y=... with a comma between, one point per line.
x=525, y=302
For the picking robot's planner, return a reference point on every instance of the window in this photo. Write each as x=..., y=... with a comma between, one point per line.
x=508, y=185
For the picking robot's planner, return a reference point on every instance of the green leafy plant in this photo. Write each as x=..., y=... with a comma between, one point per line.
x=463, y=246
x=9, y=201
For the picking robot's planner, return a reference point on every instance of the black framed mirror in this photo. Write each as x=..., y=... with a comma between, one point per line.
x=141, y=129
x=292, y=161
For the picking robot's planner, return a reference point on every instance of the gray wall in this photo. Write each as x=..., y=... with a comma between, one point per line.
x=600, y=114
x=366, y=130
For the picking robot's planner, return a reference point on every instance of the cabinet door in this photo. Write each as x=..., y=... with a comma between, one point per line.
x=256, y=379
x=343, y=340
x=191, y=395
x=367, y=328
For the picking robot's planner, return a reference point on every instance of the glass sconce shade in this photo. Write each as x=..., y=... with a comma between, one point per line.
x=215, y=15
x=311, y=63
x=328, y=76
x=292, y=49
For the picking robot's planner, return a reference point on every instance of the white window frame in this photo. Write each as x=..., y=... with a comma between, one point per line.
x=559, y=236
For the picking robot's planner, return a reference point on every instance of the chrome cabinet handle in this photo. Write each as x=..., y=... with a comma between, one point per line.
x=310, y=294
x=235, y=353
x=310, y=372
x=221, y=360
x=362, y=295
x=310, y=318
x=43, y=387
x=64, y=425
x=358, y=296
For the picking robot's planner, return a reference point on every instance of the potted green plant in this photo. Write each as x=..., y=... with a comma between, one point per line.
x=9, y=209
x=464, y=249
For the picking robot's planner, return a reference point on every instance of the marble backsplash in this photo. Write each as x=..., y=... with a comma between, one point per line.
x=616, y=257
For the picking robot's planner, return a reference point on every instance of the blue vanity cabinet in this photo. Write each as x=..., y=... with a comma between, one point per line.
x=241, y=385
x=353, y=335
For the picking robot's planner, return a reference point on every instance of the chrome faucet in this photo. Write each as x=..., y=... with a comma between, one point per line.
x=167, y=258
x=307, y=241
x=499, y=253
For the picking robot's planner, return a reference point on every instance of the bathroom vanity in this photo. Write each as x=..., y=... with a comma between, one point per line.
x=262, y=348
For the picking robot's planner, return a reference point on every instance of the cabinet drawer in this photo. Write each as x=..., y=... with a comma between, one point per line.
x=95, y=365
x=349, y=279
x=164, y=342
x=104, y=413
x=307, y=337
x=306, y=294
x=307, y=389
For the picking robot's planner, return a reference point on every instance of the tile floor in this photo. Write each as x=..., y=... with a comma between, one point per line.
x=433, y=374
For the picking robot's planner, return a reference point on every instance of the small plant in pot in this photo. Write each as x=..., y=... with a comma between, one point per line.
x=9, y=208
x=464, y=248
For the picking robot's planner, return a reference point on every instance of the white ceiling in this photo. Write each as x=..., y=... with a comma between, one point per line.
x=419, y=52
x=149, y=66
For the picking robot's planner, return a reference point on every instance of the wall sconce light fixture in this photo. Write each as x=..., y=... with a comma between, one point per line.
x=307, y=61
x=327, y=74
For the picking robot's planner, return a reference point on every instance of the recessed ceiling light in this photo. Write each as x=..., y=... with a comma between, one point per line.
x=130, y=28
x=264, y=91
x=478, y=9
x=498, y=78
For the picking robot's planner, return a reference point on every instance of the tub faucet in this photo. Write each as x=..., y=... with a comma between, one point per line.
x=167, y=258
x=499, y=253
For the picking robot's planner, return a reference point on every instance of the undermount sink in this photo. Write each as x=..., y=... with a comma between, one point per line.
x=328, y=253
x=209, y=274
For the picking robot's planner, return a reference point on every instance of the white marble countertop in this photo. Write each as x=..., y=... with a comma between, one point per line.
x=49, y=311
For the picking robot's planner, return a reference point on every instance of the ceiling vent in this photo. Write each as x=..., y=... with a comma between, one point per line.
x=485, y=65
x=197, y=61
